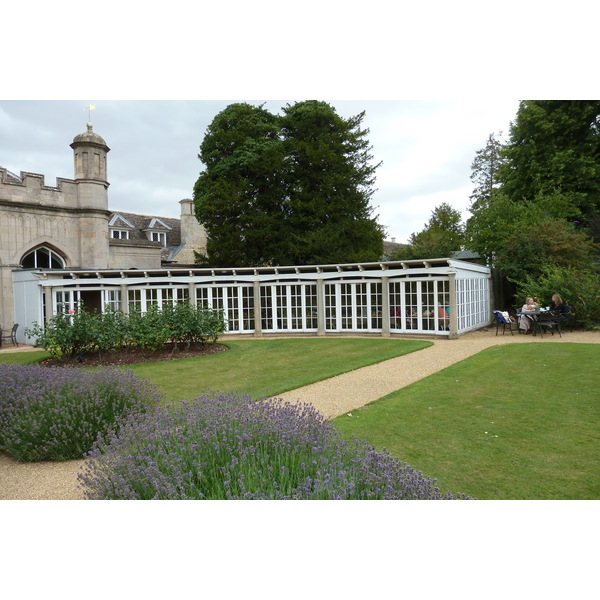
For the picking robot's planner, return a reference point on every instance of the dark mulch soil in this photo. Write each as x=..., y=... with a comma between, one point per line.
x=134, y=356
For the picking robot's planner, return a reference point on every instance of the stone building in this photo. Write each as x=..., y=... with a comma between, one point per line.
x=70, y=226
x=61, y=246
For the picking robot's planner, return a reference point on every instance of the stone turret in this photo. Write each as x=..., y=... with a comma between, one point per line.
x=90, y=152
x=90, y=156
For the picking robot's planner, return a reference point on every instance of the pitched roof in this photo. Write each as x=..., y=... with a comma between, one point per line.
x=137, y=225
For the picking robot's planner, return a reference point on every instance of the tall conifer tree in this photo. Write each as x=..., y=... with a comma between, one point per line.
x=289, y=189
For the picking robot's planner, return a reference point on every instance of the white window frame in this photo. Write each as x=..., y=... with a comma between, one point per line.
x=158, y=236
x=122, y=234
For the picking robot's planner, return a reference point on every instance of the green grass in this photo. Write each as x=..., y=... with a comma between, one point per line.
x=23, y=358
x=270, y=366
x=260, y=367
x=513, y=422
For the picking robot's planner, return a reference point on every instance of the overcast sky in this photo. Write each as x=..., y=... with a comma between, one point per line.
x=439, y=77
x=426, y=148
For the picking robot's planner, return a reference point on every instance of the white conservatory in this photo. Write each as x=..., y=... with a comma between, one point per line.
x=442, y=297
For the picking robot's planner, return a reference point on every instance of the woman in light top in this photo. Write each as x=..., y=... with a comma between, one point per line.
x=525, y=321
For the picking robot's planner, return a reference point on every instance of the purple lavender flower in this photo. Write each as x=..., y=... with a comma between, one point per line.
x=57, y=414
x=230, y=447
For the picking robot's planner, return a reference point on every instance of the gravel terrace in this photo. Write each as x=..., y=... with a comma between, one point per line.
x=333, y=397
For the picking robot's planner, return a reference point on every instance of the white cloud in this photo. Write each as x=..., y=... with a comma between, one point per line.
x=426, y=148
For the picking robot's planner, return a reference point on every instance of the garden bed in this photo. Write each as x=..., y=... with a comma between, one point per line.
x=134, y=356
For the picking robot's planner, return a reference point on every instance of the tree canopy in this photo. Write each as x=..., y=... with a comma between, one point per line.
x=440, y=238
x=287, y=189
x=553, y=157
x=537, y=197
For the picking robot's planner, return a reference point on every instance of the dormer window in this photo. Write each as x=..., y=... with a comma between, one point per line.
x=158, y=236
x=120, y=227
x=119, y=234
x=157, y=231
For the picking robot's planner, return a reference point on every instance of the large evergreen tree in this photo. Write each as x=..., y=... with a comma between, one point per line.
x=485, y=171
x=553, y=157
x=329, y=186
x=239, y=196
x=289, y=189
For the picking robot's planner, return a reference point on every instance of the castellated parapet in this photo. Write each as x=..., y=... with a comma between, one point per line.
x=71, y=217
x=69, y=227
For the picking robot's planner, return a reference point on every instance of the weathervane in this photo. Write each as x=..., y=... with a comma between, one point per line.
x=90, y=108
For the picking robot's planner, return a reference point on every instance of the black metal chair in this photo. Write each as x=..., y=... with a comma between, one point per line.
x=9, y=334
x=501, y=320
x=549, y=320
x=567, y=318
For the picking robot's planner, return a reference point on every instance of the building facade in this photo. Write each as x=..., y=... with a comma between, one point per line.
x=61, y=246
x=70, y=226
x=442, y=297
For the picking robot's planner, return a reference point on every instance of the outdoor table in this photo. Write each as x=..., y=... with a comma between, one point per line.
x=533, y=314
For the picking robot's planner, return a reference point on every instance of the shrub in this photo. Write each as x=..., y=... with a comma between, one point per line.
x=147, y=330
x=228, y=447
x=57, y=414
x=68, y=335
x=579, y=289
x=190, y=324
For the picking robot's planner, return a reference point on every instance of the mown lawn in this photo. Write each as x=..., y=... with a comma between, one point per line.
x=518, y=421
x=269, y=367
x=260, y=367
x=513, y=422
x=23, y=358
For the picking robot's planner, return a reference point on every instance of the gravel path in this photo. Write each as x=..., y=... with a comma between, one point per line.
x=333, y=397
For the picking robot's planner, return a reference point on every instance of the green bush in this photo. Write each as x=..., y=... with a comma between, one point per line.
x=579, y=289
x=68, y=335
x=147, y=330
x=188, y=324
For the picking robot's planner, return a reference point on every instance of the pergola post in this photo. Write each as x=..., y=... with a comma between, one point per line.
x=47, y=291
x=453, y=307
x=257, y=319
x=123, y=299
x=192, y=293
x=385, y=307
x=320, y=307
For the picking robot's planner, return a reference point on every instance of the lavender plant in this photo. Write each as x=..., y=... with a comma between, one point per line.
x=57, y=414
x=229, y=447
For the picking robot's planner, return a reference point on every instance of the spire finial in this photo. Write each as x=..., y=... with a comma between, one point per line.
x=90, y=108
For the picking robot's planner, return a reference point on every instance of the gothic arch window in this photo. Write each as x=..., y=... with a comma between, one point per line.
x=43, y=258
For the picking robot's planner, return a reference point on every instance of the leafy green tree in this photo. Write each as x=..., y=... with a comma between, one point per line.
x=534, y=215
x=553, y=157
x=289, y=189
x=239, y=197
x=540, y=241
x=491, y=225
x=329, y=179
x=443, y=234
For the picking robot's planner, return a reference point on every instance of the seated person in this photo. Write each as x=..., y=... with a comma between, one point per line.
x=558, y=305
x=443, y=313
x=525, y=321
